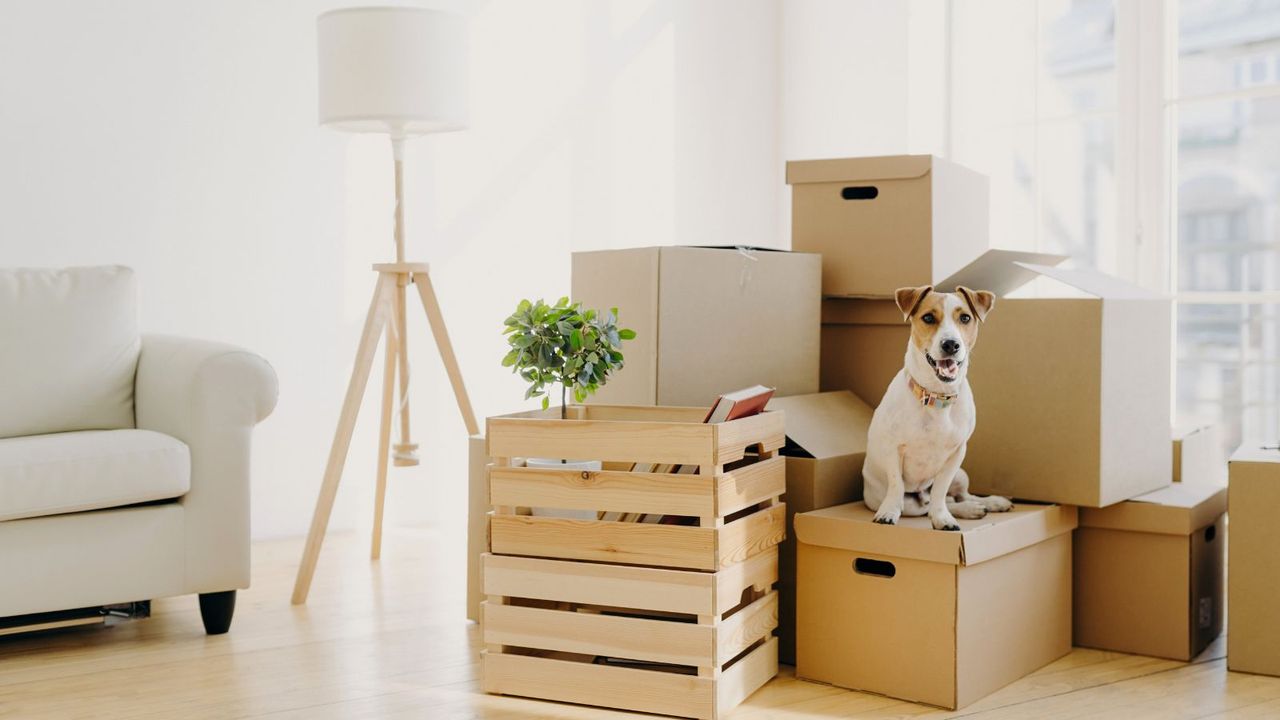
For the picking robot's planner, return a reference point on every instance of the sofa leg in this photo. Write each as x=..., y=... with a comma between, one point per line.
x=216, y=610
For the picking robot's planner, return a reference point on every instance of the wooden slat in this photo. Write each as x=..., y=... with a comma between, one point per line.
x=751, y=535
x=745, y=627
x=600, y=685
x=663, y=641
x=733, y=438
x=751, y=484
x=688, y=443
x=746, y=676
x=759, y=572
x=603, y=490
x=679, y=591
x=618, y=542
x=646, y=413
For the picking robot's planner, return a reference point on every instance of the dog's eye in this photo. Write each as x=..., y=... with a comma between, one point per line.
x=965, y=319
x=929, y=319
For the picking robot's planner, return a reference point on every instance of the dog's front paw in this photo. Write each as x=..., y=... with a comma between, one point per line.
x=944, y=521
x=887, y=515
x=995, y=503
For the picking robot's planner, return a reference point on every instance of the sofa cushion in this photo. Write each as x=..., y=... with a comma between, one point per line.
x=69, y=351
x=89, y=470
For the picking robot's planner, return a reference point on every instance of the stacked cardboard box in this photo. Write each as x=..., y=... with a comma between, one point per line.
x=707, y=320
x=1073, y=391
x=1253, y=637
x=942, y=618
x=1149, y=572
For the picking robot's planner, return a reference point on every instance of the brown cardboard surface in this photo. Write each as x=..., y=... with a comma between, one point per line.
x=850, y=527
x=1174, y=510
x=707, y=320
x=1013, y=616
x=928, y=219
x=961, y=630
x=1197, y=454
x=1071, y=393
x=1132, y=592
x=833, y=428
x=1152, y=593
x=1253, y=584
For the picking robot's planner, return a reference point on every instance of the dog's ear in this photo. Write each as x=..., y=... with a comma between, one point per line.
x=909, y=299
x=980, y=301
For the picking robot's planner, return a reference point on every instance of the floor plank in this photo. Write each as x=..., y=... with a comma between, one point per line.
x=386, y=640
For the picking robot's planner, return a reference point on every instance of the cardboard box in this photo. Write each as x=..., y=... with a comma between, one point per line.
x=1197, y=454
x=1253, y=583
x=826, y=444
x=937, y=617
x=707, y=320
x=1072, y=392
x=884, y=222
x=1149, y=572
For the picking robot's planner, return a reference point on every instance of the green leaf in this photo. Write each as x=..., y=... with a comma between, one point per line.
x=546, y=402
x=627, y=334
x=575, y=339
x=563, y=302
x=510, y=358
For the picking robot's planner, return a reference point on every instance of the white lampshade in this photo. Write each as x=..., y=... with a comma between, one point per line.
x=395, y=70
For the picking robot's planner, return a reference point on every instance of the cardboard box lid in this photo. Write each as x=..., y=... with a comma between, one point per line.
x=1179, y=509
x=1093, y=282
x=828, y=424
x=884, y=167
x=849, y=527
x=1255, y=453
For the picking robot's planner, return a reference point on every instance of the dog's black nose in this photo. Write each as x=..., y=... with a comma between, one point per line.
x=950, y=347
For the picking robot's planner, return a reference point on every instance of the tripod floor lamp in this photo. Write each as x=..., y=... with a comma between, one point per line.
x=401, y=72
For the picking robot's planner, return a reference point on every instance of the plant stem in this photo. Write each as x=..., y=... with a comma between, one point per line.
x=564, y=389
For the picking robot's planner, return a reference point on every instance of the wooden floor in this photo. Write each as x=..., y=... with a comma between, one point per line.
x=388, y=641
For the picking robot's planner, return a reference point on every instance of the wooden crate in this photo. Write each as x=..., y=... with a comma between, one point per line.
x=669, y=619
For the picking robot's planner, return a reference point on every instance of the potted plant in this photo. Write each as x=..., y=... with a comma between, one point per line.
x=563, y=345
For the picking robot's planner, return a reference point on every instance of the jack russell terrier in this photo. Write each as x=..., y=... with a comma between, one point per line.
x=920, y=430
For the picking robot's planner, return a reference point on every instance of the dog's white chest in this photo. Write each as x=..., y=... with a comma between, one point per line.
x=928, y=434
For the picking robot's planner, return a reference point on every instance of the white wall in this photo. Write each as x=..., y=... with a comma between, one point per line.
x=180, y=138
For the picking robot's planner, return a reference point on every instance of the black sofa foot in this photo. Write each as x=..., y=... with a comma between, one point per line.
x=216, y=610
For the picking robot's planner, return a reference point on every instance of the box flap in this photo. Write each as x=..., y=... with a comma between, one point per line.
x=826, y=424
x=1178, y=509
x=999, y=271
x=1093, y=282
x=864, y=169
x=1269, y=453
x=849, y=527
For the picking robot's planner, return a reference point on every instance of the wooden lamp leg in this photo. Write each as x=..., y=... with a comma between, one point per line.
x=441, y=334
x=384, y=433
x=373, y=325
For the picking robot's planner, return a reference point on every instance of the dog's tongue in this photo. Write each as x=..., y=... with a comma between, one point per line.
x=947, y=367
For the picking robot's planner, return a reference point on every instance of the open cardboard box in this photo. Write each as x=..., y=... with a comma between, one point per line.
x=1253, y=582
x=1072, y=392
x=884, y=222
x=826, y=445
x=707, y=320
x=1149, y=572
x=937, y=617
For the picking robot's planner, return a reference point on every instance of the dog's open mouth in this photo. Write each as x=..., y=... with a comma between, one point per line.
x=946, y=369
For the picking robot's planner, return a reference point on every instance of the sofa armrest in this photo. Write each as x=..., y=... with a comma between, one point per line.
x=210, y=396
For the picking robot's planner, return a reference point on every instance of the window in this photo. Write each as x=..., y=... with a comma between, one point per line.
x=1142, y=138
x=1225, y=106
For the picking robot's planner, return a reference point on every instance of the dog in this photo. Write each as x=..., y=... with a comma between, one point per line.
x=920, y=430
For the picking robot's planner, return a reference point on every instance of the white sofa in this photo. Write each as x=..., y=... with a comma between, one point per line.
x=124, y=458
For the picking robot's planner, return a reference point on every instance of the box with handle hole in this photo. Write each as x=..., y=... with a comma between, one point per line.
x=936, y=617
